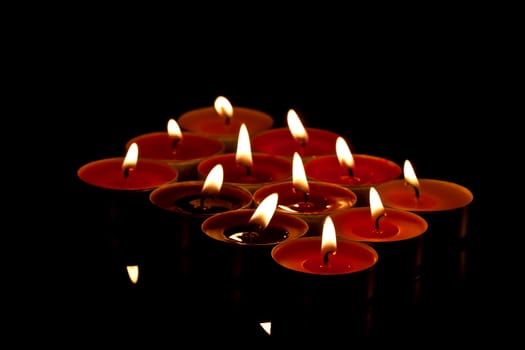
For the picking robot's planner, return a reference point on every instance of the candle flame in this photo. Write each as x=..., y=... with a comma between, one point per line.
x=267, y=327
x=133, y=273
x=410, y=175
x=244, y=150
x=265, y=210
x=213, y=183
x=376, y=205
x=300, y=182
x=328, y=239
x=343, y=153
x=296, y=127
x=132, y=155
x=174, y=129
x=223, y=107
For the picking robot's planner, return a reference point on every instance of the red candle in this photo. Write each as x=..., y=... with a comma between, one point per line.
x=222, y=121
x=280, y=141
x=182, y=150
x=307, y=142
x=325, y=286
x=311, y=202
x=445, y=206
x=397, y=236
x=367, y=171
x=120, y=198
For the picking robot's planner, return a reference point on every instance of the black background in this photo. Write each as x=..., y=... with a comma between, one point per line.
x=426, y=90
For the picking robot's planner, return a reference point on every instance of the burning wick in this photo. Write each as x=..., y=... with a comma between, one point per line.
x=326, y=255
x=224, y=108
x=248, y=170
x=130, y=160
x=377, y=221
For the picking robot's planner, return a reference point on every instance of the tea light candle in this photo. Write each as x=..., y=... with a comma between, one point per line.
x=308, y=142
x=119, y=188
x=242, y=262
x=445, y=206
x=222, y=121
x=181, y=150
x=397, y=236
x=184, y=205
x=246, y=169
x=356, y=171
x=311, y=202
x=328, y=284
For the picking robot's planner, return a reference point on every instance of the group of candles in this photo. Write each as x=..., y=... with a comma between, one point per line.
x=343, y=228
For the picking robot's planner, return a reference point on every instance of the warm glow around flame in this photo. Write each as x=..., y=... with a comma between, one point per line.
x=244, y=149
x=343, y=153
x=410, y=175
x=300, y=183
x=376, y=205
x=328, y=239
x=130, y=161
x=174, y=129
x=223, y=107
x=213, y=183
x=296, y=127
x=133, y=273
x=265, y=210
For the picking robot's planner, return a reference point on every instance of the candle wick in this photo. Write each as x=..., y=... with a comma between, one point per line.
x=325, y=256
x=126, y=171
x=377, y=221
x=350, y=172
x=416, y=190
x=227, y=121
x=175, y=143
x=305, y=196
x=248, y=170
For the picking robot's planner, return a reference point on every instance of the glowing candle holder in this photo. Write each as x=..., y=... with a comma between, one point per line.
x=222, y=121
x=318, y=296
x=181, y=150
x=445, y=206
x=397, y=236
x=119, y=188
x=242, y=260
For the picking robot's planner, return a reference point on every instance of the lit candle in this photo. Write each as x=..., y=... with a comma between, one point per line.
x=182, y=150
x=326, y=285
x=309, y=201
x=185, y=204
x=247, y=169
x=243, y=264
x=397, y=236
x=308, y=142
x=222, y=121
x=355, y=171
x=119, y=188
x=445, y=206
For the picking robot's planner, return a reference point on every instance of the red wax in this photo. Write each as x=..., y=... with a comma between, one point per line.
x=230, y=197
x=304, y=255
x=220, y=225
x=159, y=145
x=206, y=121
x=323, y=198
x=396, y=225
x=434, y=195
x=266, y=168
x=280, y=141
x=108, y=173
x=368, y=170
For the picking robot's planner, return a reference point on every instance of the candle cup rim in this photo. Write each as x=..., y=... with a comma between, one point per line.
x=300, y=227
